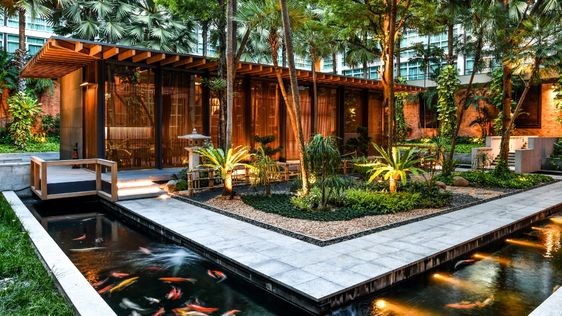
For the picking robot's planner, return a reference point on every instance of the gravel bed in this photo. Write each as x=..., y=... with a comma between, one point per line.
x=327, y=230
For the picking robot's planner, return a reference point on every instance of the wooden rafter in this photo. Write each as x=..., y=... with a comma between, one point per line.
x=110, y=52
x=126, y=54
x=156, y=58
x=170, y=60
x=141, y=56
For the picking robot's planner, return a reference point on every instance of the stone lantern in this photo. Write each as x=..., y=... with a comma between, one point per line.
x=194, y=142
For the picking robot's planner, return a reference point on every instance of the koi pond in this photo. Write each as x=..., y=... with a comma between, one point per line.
x=138, y=273
x=141, y=273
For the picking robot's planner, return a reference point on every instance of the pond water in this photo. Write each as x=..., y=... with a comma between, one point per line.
x=142, y=274
x=512, y=281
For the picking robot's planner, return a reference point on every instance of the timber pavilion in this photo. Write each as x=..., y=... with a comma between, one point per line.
x=130, y=104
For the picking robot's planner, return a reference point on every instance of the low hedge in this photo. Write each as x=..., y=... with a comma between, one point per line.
x=506, y=181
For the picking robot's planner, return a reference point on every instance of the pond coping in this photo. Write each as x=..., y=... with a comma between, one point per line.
x=82, y=297
x=326, y=242
x=550, y=307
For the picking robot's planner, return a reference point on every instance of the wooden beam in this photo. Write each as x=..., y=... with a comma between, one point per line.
x=170, y=60
x=156, y=58
x=126, y=54
x=63, y=44
x=94, y=50
x=196, y=63
x=78, y=46
x=110, y=52
x=142, y=56
x=183, y=62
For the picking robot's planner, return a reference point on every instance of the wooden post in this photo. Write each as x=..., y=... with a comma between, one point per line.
x=31, y=173
x=36, y=178
x=114, y=189
x=189, y=184
x=211, y=178
x=247, y=174
x=286, y=172
x=345, y=167
x=43, y=180
x=98, y=177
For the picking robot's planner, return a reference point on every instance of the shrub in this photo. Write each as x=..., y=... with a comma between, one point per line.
x=23, y=109
x=225, y=163
x=181, y=185
x=380, y=202
x=265, y=170
x=508, y=180
x=323, y=159
x=51, y=124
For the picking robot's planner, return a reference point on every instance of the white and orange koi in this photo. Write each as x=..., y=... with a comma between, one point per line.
x=216, y=274
x=80, y=237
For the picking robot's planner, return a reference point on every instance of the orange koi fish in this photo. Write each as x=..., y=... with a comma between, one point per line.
x=160, y=312
x=105, y=289
x=201, y=309
x=174, y=294
x=146, y=251
x=119, y=275
x=216, y=274
x=124, y=284
x=99, y=283
x=231, y=312
x=80, y=238
x=177, y=280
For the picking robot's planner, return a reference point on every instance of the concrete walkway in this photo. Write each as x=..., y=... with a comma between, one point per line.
x=321, y=272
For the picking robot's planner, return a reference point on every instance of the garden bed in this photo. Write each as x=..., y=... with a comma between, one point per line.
x=328, y=231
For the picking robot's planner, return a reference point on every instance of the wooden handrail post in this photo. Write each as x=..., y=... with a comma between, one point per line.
x=98, y=177
x=286, y=172
x=114, y=189
x=44, y=180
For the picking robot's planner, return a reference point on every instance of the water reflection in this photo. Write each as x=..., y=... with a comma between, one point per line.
x=511, y=281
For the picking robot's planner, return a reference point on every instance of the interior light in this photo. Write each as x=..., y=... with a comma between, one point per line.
x=85, y=83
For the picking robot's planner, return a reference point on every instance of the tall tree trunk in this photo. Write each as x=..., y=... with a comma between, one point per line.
x=506, y=111
x=21, y=51
x=397, y=57
x=334, y=63
x=222, y=71
x=462, y=106
x=389, y=26
x=365, y=69
x=295, y=93
x=314, y=91
x=205, y=36
x=450, y=39
x=230, y=37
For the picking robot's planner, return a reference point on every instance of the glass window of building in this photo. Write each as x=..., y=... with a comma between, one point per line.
x=12, y=43
x=34, y=44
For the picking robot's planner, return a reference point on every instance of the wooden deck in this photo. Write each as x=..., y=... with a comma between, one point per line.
x=86, y=177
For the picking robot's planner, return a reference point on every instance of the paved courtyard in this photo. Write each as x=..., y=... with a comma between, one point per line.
x=318, y=272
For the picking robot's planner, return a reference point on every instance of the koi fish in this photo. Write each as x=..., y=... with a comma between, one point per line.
x=153, y=268
x=174, y=294
x=105, y=289
x=160, y=312
x=231, y=312
x=463, y=263
x=176, y=279
x=124, y=284
x=87, y=249
x=152, y=300
x=135, y=313
x=99, y=283
x=128, y=304
x=119, y=275
x=146, y=251
x=194, y=313
x=216, y=274
x=201, y=309
x=471, y=305
x=80, y=238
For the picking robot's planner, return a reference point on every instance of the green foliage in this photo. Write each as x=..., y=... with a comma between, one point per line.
x=8, y=71
x=225, y=163
x=557, y=149
x=23, y=109
x=264, y=143
x=401, y=128
x=31, y=291
x=350, y=203
x=39, y=86
x=265, y=170
x=508, y=180
x=52, y=143
x=558, y=99
x=323, y=159
x=447, y=85
x=181, y=185
x=51, y=124
x=393, y=167
x=359, y=144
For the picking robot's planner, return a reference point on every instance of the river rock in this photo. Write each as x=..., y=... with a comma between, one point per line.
x=171, y=186
x=460, y=182
x=441, y=185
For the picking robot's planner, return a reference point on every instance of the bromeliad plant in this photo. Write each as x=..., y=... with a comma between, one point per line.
x=394, y=167
x=218, y=160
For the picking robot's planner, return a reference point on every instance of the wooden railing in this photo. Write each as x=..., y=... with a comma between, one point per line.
x=40, y=184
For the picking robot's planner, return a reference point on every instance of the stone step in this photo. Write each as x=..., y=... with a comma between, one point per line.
x=138, y=190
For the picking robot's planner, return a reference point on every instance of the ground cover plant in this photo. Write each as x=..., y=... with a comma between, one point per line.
x=509, y=180
x=43, y=144
x=353, y=202
x=25, y=286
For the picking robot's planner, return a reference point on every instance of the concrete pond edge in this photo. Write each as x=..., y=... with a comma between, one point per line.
x=70, y=282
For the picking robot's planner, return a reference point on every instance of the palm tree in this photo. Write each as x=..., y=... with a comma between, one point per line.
x=36, y=8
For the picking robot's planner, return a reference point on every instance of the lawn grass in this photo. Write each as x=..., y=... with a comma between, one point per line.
x=52, y=144
x=25, y=286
